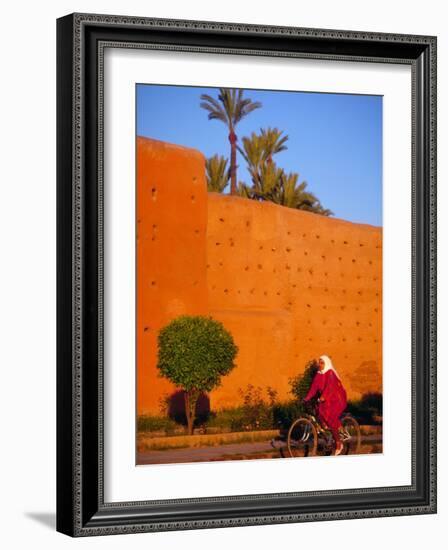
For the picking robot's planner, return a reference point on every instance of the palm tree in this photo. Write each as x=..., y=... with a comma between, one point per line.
x=230, y=108
x=269, y=182
x=217, y=173
x=258, y=150
x=288, y=193
x=273, y=142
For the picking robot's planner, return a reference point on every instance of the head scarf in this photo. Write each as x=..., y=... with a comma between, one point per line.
x=328, y=365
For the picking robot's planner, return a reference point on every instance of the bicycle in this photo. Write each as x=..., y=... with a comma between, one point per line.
x=307, y=437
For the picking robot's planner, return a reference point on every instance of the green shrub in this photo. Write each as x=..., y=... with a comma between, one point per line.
x=146, y=423
x=284, y=414
x=256, y=409
x=367, y=410
x=231, y=419
x=301, y=383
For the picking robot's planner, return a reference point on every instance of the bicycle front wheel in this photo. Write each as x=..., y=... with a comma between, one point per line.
x=350, y=435
x=302, y=438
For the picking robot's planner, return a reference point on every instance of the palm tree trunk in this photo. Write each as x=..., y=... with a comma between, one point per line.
x=232, y=139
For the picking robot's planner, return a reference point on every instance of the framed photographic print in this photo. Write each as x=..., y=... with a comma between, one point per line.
x=246, y=274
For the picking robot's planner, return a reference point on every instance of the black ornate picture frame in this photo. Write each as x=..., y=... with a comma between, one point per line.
x=81, y=509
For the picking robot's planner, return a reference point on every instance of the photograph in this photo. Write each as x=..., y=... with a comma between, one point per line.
x=258, y=274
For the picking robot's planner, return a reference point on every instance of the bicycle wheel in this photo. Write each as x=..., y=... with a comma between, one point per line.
x=302, y=438
x=350, y=435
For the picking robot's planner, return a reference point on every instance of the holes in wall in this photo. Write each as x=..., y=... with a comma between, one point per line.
x=154, y=193
x=154, y=232
x=193, y=198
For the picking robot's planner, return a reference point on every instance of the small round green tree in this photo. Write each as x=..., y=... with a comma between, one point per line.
x=195, y=352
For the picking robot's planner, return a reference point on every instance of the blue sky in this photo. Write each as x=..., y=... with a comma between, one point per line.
x=335, y=140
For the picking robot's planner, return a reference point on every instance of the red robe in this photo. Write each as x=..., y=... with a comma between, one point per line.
x=333, y=400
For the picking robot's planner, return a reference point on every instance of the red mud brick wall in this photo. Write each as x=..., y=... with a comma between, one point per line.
x=288, y=284
x=171, y=221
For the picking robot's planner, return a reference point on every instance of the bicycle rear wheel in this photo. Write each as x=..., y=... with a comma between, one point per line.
x=302, y=438
x=350, y=435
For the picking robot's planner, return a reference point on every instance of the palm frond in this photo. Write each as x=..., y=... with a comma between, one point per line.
x=217, y=173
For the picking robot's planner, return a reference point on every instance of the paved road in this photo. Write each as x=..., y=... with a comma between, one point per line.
x=233, y=451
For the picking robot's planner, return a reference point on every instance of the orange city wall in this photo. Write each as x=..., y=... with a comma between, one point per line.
x=289, y=285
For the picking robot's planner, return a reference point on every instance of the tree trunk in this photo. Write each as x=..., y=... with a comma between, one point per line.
x=190, y=408
x=232, y=139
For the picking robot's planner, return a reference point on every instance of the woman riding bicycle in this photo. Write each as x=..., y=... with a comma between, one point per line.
x=332, y=398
